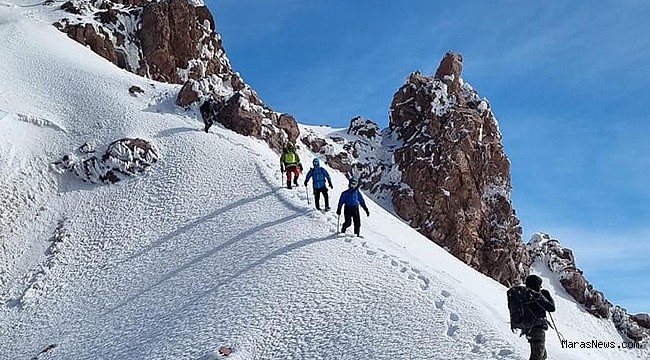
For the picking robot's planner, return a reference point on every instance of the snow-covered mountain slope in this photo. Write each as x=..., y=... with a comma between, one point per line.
x=207, y=249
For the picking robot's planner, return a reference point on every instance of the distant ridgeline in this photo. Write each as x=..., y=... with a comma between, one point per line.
x=440, y=165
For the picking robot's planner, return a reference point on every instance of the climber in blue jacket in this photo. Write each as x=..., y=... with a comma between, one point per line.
x=319, y=176
x=352, y=198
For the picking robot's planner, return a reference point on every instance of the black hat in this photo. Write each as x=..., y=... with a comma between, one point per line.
x=534, y=282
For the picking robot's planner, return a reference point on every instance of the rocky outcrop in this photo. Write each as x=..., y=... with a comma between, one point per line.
x=450, y=71
x=249, y=119
x=365, y=129
x=441, y=166
x=178, y=42
x=458, y=177
x=561, y=262
x=122, y=159
x=135, y=90
x=356, y=152
x=642, y=319
x=169, y=41
x=174, y=41
x=96, y=38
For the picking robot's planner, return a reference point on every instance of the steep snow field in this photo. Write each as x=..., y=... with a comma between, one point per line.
x=207, y=249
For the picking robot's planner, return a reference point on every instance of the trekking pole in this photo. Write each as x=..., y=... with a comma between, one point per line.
x=338, y=220
x=559, y=335
x=281, y=178
x=307, y=192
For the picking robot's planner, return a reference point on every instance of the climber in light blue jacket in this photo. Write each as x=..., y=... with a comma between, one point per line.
x=319, y=175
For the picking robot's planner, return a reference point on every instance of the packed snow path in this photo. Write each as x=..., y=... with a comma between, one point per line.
x=207, y=249
x=244, y=263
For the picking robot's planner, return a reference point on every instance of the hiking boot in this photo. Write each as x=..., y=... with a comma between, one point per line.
x=289, y=186
x=295, y=182
x=327, y=208
x=317, y=207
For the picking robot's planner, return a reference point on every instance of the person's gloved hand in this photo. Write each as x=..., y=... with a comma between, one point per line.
x=300, y=166
x=367, y=212
x=281, y=168
x=305, y=183
x=536, y=295
x=331, y=186
x=338, y=211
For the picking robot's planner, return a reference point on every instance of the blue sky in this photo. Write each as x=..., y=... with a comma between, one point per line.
x=568, y=81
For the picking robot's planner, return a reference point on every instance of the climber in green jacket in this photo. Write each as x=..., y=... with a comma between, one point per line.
x=290, y=162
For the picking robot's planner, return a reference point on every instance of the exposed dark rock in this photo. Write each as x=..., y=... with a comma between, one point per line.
x=187, y=96
x=176, y=40
x=315, y=145
x=131, y=2
x=97, y=39
x=123, y=158
x=642, y=319
x=276, y=129
x=364, y=128
x=234, y=117
x=86, y=148
x=136, y=90
x=225, y=351
x=355, y=155
x=107, y=17
x=450, y=71
x=45, y=351
x=288, y=124
x=71, y=8
x=169, y=37
x=457, y=173
x=442, y=168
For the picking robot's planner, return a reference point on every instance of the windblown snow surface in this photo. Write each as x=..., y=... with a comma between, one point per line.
x=207, y=249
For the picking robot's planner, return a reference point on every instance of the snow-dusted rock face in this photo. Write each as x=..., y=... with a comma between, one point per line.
x=357, y=151
x=457, y=174
x=123, y=158
x=169, y=41
x=247, y=117
x=174, y=41
x=450, y=71
x=560, y=260
x=366, y=129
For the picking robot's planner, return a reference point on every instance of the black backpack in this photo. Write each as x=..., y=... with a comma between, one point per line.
x=521, y=315
x=210, y=108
